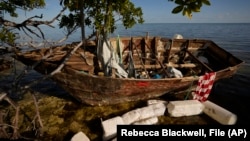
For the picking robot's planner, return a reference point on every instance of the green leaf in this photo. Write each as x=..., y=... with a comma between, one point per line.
x=184, y=11
x=177, y=9
x=180, y=2
x=187, y=12
x=206, y=2
x=194, y=8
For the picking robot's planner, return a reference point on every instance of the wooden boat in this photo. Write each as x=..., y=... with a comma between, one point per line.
x=148, y=62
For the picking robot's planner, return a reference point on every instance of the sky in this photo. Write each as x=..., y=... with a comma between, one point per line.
x=220, y=11
x=159, y=11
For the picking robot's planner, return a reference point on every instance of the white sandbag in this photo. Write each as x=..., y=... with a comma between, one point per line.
x=149, y=121
x=110, y=127
x=80, y=136
x=185, y=108
x=159, y=109
x=146, y=112
x=156, y=101
x=219, y=114
x=130, y=117
x=153, y=110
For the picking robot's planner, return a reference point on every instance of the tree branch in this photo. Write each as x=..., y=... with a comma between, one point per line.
x=30, y=22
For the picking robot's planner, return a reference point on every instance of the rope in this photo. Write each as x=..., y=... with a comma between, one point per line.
x=190, y=87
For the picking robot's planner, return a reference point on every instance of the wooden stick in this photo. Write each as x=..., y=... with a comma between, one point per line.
x=3, y=132
x=157, y=66
x=58, y=68
x=66, y=59
x=165, y=71
x=37, y=116
x=16, y=134
x=140, y=59
x=196, y=59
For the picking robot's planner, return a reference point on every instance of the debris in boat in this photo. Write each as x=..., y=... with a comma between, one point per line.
x=109, y=59
x=131, y=67
x=178, y=36
x=181, y=108
x=142, y=75
x=219, y=114
x=173, y=72
x=154, y=75
x=80, y=136
x=147, y=114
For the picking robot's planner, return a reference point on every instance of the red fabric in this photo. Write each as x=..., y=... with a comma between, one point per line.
x=204, y=86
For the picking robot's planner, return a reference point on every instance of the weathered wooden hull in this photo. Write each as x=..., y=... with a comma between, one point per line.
x=82, y=80
x=100, y=90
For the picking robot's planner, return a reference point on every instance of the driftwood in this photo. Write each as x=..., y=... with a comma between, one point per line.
x=15, y=135
x=37, y=118
x=37, y=122
x=3, y=126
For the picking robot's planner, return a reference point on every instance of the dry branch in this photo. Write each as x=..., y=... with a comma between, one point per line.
x=37, y=118
x=14, y=126
x=3, y=126
x=24, y=26
x=15, y=134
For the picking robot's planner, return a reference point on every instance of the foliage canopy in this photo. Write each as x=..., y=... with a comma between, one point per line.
x=187, y=7
x=100, y=15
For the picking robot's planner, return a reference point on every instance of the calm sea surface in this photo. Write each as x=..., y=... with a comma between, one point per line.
x=233, y=37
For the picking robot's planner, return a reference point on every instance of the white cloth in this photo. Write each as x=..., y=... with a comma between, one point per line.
x=109, y=59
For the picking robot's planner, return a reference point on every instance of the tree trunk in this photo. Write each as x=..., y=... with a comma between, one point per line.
x=82, y=17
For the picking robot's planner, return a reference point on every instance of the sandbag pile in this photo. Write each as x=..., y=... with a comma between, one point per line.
x=145, y=115
x=149, y=114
